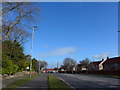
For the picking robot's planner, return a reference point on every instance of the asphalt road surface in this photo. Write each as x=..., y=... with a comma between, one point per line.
x=39, y=82
x=89, y=81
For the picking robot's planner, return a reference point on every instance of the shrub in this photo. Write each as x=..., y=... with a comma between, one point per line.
x=8, y=67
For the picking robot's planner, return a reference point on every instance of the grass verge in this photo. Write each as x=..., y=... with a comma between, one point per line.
x=55, y=83
x=19, y=83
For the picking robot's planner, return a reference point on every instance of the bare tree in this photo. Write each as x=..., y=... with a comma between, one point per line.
x=69, y=63
x=85, y=63
x=18, y=35
x=43, y=64
x=16, y=14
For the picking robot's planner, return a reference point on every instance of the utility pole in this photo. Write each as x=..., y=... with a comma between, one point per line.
x=32, y=48
x=57, y=65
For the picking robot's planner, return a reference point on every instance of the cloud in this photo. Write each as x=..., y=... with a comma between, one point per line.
x=60, y=51
x=102, y=55
x=45, y=45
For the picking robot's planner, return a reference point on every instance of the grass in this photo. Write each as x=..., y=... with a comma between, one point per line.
x=55, y=83
x=12, y=77
x=19, y=83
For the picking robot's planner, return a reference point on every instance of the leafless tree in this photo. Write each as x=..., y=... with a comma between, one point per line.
x=15, y=15
x=43, y=64
x=69, y=63
x=86, y=63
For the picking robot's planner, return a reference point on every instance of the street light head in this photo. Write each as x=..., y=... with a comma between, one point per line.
x=34, y=26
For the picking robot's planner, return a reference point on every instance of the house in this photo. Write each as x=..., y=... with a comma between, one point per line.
x=52, y=70
x=112, y=63
x=97, y=65
x=79, y=67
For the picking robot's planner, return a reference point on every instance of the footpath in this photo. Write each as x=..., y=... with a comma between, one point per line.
x=6, y=82
x=40, y=82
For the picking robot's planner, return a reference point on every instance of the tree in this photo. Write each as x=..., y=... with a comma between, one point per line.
x=13, y=49
x=8, y=67
x=68, y=63
x=13, y=57
x=43, y=64
x=19, y=35
x=85, y=63
x=15, y=15
x=35, y=65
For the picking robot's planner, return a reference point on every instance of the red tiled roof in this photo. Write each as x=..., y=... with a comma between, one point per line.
x=112, y=60
x=50, y=69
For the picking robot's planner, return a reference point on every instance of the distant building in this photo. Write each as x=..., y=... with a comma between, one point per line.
x=112, y=63
x=97, y=65
x=79, y=67
x=52, y=70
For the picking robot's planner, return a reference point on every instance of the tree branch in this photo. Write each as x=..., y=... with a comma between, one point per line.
x=18, y=5
x=9, y=29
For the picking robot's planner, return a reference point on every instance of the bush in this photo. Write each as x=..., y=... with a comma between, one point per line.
x=8, y=67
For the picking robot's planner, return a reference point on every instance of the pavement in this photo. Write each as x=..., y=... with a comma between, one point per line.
x=6, y=82
x=88, y=81
x=40, y=82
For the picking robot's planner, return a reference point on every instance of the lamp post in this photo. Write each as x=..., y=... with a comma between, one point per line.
x=118, y=43
x=39, y=66
x=32, y=47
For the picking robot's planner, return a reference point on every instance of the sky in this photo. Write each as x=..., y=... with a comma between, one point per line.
x=75, y=29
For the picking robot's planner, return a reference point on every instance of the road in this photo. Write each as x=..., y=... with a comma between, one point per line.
x=88, y=81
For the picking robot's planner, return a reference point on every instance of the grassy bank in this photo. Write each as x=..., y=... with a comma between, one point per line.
x=19, y=83
x=55, y=82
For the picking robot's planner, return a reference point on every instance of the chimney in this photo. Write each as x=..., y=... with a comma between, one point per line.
x=102, y=59
x=107, y=57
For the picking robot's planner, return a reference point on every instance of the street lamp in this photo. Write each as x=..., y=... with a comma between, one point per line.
x=39, y=63
x=32, y=47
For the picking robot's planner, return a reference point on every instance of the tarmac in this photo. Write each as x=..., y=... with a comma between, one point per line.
x=6, y=82
x=40, y=82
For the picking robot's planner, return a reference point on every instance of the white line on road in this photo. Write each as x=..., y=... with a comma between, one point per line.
x=66, y=83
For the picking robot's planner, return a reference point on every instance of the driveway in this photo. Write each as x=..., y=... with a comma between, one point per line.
x=88, y=81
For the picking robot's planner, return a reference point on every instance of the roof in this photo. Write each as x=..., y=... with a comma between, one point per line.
x=112, y=60
x=78, y=64
x=96, y=62
x=50, y=69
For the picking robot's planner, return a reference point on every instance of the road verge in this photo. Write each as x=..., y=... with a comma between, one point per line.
x=56, y=83
x=20, y=82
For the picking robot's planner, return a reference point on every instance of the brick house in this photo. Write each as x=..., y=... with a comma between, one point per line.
x=97, y=65
x=112, y=63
